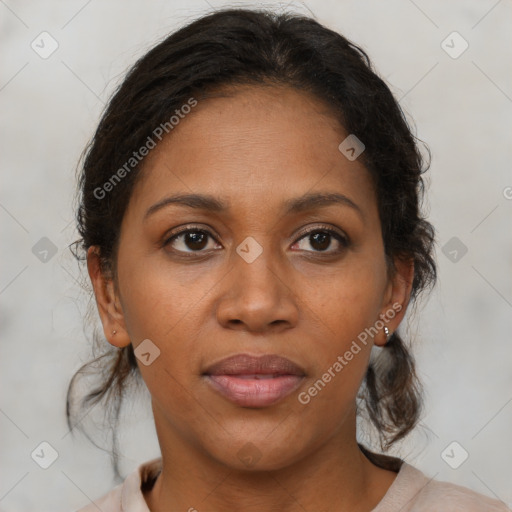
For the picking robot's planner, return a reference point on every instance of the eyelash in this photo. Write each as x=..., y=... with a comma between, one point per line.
x=342, y=239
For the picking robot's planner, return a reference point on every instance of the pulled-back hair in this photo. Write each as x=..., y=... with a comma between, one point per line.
x=243, y=47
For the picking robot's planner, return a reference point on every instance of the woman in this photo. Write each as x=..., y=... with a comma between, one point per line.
x=250, y=216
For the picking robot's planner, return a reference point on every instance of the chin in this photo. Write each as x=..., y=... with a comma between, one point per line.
x=256, y=455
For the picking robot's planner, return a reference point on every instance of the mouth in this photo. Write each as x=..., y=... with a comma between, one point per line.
x=249, y=381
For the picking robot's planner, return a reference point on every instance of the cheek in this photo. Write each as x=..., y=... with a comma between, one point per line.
x=344, y=308
x=169, y=306
x=163, y=306
x=347, y=301
x=159, y=302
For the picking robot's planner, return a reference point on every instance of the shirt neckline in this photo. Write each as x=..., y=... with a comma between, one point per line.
x=408, y=482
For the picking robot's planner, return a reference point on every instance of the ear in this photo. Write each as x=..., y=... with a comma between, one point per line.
x=396, y=298
x=107, y=300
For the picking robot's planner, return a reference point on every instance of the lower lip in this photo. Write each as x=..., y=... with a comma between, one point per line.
x=254, y=392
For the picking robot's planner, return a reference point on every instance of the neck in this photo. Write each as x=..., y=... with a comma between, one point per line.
x=336, y=475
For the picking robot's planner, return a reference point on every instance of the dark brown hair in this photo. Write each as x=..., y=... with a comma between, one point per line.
x=239, y=46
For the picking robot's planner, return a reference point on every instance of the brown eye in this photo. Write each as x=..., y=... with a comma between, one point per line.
x=323, y=240
x=190, y=240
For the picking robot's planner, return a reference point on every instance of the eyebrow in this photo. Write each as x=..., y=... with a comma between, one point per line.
x=210, y=203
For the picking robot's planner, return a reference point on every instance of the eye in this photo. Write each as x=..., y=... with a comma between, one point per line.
x=190, y=240
x=322, y=240
x=193, y=239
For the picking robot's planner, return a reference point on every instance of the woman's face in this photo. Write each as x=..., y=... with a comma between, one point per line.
x=249, y=279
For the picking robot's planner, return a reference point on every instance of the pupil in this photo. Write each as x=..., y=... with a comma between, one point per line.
x=322, y=240
x=195, y=240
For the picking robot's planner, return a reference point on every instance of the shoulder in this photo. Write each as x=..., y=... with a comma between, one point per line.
x=450, y=497
x=110, y=502
x=128, y=496
x=444, y=496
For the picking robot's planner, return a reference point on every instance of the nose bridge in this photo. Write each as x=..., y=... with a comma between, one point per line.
x=257, y=269
x=257, y=295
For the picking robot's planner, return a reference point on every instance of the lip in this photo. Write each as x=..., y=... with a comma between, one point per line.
x=250, y=381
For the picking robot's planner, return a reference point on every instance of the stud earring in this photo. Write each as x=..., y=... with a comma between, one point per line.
x=114, y=333
x=387, y=333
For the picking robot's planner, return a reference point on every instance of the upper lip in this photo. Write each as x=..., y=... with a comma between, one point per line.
x=245, y=364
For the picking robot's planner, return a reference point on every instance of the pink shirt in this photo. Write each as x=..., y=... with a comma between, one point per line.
x=411, y=491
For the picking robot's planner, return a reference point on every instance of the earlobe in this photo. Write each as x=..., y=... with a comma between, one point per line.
x=107, y=301
x=397, y=299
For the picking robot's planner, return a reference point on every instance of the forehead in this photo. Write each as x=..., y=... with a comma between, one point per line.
x=254, y=145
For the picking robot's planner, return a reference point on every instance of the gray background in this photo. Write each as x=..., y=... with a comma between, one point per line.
x=462, y=108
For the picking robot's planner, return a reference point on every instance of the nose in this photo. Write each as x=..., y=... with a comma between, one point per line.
x=257, y=296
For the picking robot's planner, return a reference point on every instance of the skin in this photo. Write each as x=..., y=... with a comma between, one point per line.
x=254, y=148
